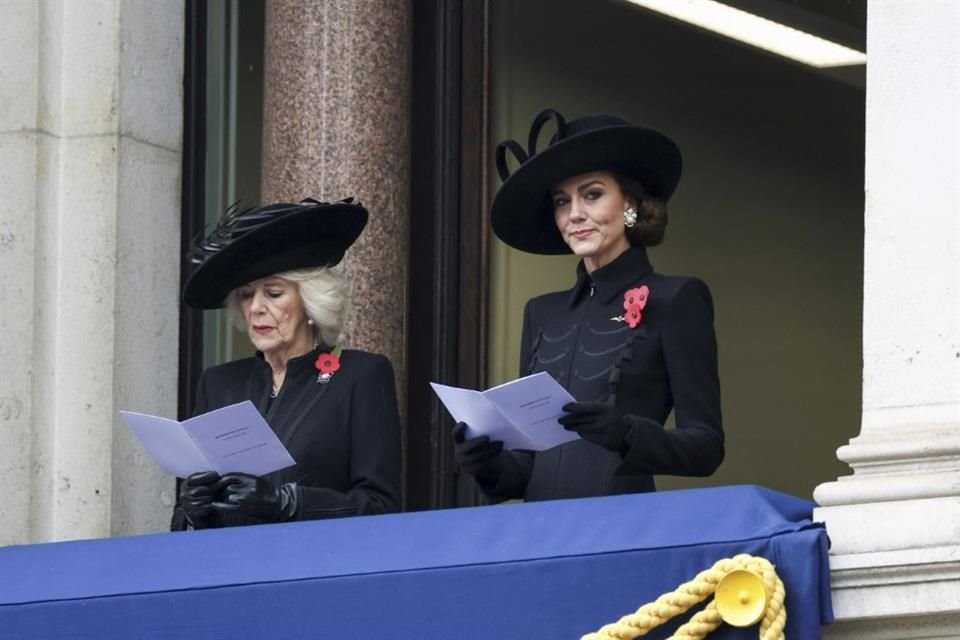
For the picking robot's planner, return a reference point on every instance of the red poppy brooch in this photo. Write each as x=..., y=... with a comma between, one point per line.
x=634, y=302
x=328, y=364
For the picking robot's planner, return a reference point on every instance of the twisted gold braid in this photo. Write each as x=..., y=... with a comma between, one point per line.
x=672, y=604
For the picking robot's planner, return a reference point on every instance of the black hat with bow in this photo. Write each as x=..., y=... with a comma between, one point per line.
x=256, y=243
x=522, y=213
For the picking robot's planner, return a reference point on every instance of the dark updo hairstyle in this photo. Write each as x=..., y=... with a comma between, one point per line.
x=651, y=213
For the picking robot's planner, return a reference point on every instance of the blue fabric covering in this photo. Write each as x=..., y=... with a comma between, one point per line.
x=551, y=570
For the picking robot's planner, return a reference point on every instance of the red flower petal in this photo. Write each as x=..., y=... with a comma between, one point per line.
x=644, y=296
x=327, y=363
x=636, y=296
x=633, y=316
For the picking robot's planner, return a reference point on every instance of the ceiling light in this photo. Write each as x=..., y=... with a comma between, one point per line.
x=759, y=32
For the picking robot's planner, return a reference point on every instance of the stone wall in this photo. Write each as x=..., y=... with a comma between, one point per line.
x=90, y=138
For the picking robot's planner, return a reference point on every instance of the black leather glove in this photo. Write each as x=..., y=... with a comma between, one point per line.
x=246, y=499
x=599, y=423
x=197, y=492
x=477, y=456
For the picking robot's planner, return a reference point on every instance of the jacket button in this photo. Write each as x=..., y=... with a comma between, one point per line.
x=580, y=348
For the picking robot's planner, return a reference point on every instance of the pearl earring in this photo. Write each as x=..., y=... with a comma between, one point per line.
x=629, y=217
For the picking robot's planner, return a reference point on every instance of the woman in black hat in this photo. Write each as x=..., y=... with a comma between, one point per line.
x=631, y=345
x=335, y=410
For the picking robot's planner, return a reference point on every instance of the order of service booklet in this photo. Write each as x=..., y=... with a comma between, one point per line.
x=234, y=438
x=522, y=413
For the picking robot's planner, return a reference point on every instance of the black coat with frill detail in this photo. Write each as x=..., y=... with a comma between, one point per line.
x=343, y=434
x=666, y=363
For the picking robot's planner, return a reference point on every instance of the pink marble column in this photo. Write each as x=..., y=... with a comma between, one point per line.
x=336, y=114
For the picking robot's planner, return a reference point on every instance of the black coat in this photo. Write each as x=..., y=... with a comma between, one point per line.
x=669, y=361
x=344, y=435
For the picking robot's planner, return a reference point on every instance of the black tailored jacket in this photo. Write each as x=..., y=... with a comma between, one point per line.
x=668, y=362
x=344, y=435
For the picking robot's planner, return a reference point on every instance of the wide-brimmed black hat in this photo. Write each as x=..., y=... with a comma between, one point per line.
x=522, y=214
x=256, y=243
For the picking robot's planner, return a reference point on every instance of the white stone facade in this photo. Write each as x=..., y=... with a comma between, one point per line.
x=895, y=523
x=90, y=161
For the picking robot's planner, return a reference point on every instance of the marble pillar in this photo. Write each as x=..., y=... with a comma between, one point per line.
x=895, y=523
x=336, y=124
x=19, y=84
x=89, y=251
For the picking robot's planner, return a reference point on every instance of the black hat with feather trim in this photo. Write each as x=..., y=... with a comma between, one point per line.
x=256, y=243
x=522, y=212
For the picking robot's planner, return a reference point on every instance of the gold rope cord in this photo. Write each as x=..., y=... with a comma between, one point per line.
x=691, y=593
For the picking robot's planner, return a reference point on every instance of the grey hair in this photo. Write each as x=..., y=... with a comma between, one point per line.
x=326, y=300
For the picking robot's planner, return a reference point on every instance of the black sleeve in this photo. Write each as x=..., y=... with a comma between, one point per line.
x=200, y=405
x=695, y=446
x=178, y=521
x=516, y=465
x=374, y=451
x=526, y=341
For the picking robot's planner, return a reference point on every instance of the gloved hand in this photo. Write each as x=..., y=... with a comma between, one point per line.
x=246, y=499
x=196, y=496
x=477, y=456
x=599, y=423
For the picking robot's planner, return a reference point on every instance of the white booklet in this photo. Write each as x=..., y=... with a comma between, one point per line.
x=522, y=413
x=235, y=438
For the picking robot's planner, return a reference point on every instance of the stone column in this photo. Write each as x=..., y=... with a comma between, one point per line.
x=19, y=83
x=89, y=252
x=895, y=523
x=336, y=120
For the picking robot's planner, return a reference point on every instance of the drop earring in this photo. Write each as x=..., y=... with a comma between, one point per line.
x=629, y=217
